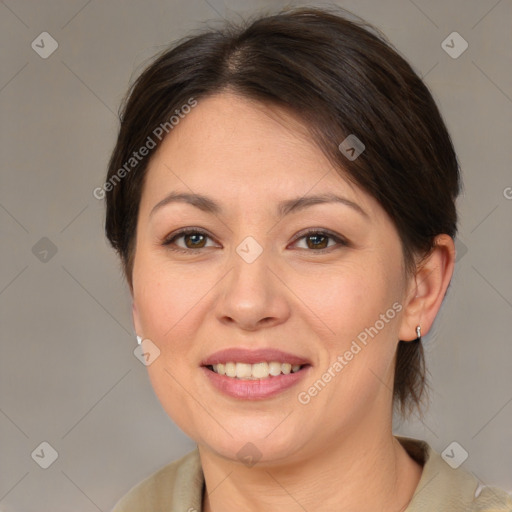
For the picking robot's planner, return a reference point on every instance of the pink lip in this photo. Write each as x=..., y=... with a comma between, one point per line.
x=241, y=355
x=254, y=389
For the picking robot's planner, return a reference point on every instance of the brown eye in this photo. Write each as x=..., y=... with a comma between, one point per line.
x=192, y=239
x=318, y=240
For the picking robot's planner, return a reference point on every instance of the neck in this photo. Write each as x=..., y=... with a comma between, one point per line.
x=363, y=472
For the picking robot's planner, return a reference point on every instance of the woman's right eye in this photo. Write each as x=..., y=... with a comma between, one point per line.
x=194, y=239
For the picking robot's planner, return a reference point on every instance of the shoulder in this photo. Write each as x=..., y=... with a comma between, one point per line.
x=177, y=485
x=491, y=499
x=446, y=489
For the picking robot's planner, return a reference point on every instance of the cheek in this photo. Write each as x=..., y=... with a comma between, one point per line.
x=168, y=296
x=354, y=374
x=348, y=300
x=169, y=304
x=358, y=309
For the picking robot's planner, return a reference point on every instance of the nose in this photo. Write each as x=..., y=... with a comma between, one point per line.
x=253, y=295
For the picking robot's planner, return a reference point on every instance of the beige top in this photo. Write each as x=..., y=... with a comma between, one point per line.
x=178, y=487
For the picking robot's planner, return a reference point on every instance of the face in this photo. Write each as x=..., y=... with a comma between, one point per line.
x=317, y=284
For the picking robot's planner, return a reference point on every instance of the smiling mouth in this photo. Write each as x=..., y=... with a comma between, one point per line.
x=256, y=371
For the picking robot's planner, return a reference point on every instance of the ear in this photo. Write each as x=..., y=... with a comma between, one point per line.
x=136, y=320
x=427, y=288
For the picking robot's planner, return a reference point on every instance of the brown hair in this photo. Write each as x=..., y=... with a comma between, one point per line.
x=340, y=77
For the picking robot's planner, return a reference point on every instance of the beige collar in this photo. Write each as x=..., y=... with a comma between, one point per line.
x=440, y=489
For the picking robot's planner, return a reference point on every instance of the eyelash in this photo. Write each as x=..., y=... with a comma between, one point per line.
x=197, y=231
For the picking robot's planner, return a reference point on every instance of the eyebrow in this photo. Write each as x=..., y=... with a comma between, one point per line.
x=286, y=207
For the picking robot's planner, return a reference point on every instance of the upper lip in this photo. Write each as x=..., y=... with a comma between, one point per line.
x=242, y=355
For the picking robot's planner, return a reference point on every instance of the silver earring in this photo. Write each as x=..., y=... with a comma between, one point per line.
x=139, y=339
x=418, y=334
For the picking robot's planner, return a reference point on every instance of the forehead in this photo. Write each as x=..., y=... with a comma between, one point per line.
x=235, y=133
x=244, y=150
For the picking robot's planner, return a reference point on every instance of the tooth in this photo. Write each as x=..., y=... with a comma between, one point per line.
x=255, y=371
x=274, y=368
x=230, y=369
x=243, y=370
x=260, y=370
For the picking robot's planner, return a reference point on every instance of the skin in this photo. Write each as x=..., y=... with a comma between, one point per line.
x=338, y=450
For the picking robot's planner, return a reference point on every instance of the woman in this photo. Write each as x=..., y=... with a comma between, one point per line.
x=282, y=197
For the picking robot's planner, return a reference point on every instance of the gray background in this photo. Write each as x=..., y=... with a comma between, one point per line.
x=68, y=375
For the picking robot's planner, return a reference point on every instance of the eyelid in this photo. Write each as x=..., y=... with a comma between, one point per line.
x=321, y=231
x=339, y=239
x=186, y=231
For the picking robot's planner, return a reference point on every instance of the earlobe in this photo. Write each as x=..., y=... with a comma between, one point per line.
x=428, y=288
x=136, y=322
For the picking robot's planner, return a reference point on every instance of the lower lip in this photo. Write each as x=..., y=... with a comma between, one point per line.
x=254, y=389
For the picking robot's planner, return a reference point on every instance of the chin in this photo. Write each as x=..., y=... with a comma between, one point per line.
x=253, y=446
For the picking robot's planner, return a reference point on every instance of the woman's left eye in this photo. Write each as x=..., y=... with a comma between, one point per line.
x=319, y=240
x=195, y=239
